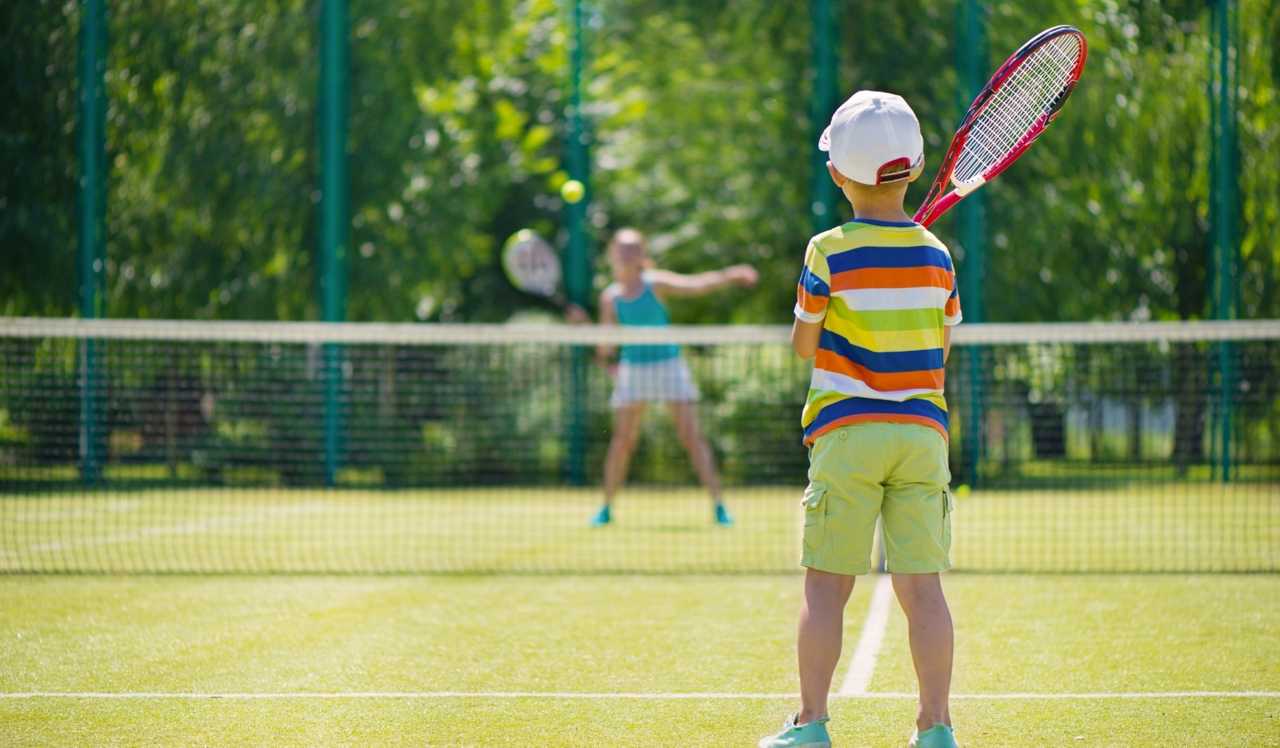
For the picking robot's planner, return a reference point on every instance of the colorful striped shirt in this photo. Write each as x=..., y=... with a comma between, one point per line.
x=883, y=293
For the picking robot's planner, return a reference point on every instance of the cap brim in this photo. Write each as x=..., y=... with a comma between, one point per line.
x=824, y=142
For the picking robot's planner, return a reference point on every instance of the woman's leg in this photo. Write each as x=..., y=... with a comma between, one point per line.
x=700, y=454
x=626, y=434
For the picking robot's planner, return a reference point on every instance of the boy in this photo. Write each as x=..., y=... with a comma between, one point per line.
x=876, y=300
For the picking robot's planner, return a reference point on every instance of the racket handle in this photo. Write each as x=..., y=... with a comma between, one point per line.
x=930, y=213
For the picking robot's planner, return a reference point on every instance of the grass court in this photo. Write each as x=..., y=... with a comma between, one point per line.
x=617, y=660
x=588, y=654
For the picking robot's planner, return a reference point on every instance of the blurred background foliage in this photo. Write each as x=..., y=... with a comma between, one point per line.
x=701, y=136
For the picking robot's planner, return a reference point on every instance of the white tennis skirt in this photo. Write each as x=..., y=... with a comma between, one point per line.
x=666, y=381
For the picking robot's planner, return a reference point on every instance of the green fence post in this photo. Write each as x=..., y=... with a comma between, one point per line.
x=577, y=259
x=1224, y=229
x=90, y=229
x=825, y=46
x=334, y=211
x=971, y=219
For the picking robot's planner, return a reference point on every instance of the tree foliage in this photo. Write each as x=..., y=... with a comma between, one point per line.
x=37, y=159
x=700, y=136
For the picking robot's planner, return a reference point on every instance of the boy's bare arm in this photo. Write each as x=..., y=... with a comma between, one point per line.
x=805, y=337
x=697, y=284
x=946, y=343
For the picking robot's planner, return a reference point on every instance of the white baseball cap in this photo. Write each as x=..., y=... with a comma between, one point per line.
x=871, y=132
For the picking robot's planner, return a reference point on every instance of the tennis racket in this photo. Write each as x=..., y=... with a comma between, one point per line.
x=533, y=267
x=1017, y=104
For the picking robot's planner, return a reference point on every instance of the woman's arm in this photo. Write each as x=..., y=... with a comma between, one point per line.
x=666, y=282
x=805, y=337
x=608, y=316
x=576, y=315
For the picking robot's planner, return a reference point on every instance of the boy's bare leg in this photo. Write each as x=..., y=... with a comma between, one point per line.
x=700, y=454
x=932, y=643
x=626, y=434
x=821, y=632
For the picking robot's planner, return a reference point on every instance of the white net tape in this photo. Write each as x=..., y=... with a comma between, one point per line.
x=370, y=333
x=1015, y=109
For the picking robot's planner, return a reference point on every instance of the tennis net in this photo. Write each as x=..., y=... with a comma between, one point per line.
x=140, y=446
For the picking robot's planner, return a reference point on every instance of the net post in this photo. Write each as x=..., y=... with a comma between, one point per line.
x=334, y=209
x=971, y=435
x=971, y=217
x=1224, y=219
x=577, y=261
x=825, y=50
x=90, y=230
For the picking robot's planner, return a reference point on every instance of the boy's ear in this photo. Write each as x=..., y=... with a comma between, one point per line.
x=916, y=172
x=836, y=176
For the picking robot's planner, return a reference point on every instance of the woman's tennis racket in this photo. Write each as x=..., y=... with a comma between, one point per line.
x=532, y=265
x=1018, y=103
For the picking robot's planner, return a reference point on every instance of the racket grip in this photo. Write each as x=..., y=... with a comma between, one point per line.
x=930, y=213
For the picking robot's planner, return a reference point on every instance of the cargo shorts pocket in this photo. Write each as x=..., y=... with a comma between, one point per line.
x=815, y=516
x=948, y=506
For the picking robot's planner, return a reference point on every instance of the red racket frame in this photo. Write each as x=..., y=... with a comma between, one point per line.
x=935, y=203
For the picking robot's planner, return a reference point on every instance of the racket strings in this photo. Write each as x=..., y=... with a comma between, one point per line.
x=532, y=266
x=1027, y=99
x=1018, y=107
x=1033, y=88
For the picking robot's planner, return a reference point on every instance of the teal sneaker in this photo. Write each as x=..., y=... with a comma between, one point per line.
x=602, y=517
x=722, y=516
x=812, y=735
x=938, y=736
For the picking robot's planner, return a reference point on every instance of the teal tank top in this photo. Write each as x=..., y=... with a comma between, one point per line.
x=645, y=310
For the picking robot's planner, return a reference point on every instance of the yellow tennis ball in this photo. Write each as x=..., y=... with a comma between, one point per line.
x=573, y=191
x=962, y=491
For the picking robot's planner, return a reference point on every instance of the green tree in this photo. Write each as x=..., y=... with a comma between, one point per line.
x=1107, y=217
x=211, y=137
x=37, y=158
x=698, y=113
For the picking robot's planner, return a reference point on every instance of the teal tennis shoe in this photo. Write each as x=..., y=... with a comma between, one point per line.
x=938, y=736
x=722, y=516
x=812, y=735
x=601, y=518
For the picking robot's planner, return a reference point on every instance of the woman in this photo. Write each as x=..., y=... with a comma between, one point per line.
x=655, y=373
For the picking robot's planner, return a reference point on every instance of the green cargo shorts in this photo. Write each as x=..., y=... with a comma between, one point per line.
x=897, y=471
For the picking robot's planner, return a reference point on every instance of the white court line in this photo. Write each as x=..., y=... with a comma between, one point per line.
x=863, y=664
x=605, y=696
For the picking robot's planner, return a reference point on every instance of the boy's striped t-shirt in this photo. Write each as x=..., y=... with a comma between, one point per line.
x=883, y=293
